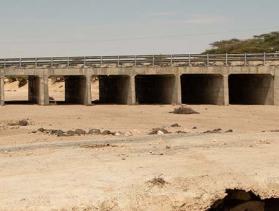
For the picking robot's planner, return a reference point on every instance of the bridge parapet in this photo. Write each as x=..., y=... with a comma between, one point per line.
x=126, y=61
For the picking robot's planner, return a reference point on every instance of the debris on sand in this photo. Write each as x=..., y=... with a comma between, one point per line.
x=175, y=125
x=97, y=146
x=23, y=123
x=157, y=181
x=94, y=132
x=79, y=132
x=184, y=110
x=159, y=131
x=181, y=132
x=244, y=200
x=218, y=130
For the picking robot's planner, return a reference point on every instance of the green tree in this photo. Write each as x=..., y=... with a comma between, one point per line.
x=268, y=43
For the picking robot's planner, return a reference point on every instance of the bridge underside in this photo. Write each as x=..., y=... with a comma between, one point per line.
x=251, y=89
x=202, y=89
x=114, y=89
x=155, y=89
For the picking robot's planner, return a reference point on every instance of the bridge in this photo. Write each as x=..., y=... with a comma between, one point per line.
x=218, y=79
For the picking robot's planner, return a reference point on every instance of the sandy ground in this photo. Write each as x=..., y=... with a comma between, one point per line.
x=96, y=172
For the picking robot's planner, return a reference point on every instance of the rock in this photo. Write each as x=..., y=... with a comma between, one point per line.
x=118, y=134
x=94, y=132
x=71, y=133
x=80, y=132
x=41, y=130
x=158, y=131
x=181, y=132
x=229, y=131
x=106, y=132
x=59, y=133
x=175, y=125
x=250, y=205
x=194, y=128
x=23, y=123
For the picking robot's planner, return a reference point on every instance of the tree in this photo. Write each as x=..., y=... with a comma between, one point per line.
x=268, y=43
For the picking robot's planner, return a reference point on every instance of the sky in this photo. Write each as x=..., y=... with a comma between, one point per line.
x=33, y=28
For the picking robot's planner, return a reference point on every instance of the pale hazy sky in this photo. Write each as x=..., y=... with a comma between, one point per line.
x=111, y=27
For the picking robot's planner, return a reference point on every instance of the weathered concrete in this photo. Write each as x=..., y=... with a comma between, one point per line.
x=38, y=90
x=202, y=89
x=251, y=89
x=152, y=84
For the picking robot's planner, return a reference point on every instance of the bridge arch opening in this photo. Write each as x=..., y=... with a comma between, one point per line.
x=110, y=89
x=202, y=89
x=155, y=89
x=251, y=89
x=21, y=89
x=67, y=89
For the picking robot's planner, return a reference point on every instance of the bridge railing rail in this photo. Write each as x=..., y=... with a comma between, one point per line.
x=144, y=60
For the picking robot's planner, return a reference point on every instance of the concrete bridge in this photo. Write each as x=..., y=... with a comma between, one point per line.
x=221, y=79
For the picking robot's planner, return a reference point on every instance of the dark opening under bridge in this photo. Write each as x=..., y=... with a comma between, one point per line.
x=219, y=79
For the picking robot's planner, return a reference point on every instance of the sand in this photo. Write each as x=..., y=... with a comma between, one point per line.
x=97, y=172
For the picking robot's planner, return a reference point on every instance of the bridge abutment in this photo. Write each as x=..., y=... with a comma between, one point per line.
x=276, y=88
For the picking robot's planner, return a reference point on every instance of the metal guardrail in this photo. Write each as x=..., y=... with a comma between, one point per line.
x=143, y=60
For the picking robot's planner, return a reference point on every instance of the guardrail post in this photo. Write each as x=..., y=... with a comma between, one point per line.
x=245, y=59
x=19, y=62
x=153, y=60
x=189, y=59
x=264, y=59
x=36, y=63
x=84, y=62
x=226, y=59
x=171, y=60
x=101, y=60
x=51, y=62
x=68, y=62
x=4, y=63
x=135, y=60
x=207, y=60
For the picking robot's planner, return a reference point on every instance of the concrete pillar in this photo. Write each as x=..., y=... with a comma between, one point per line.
x=177, y=91
x=38, y=90
x=276, y=87
x=132, y=91
x=2, y=99
x=78, y=90
x=226, y=89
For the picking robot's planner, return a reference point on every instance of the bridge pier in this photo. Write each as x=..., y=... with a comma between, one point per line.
x=2, y=98
x=38, y=90
x=78, y=90
x=132, y=90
